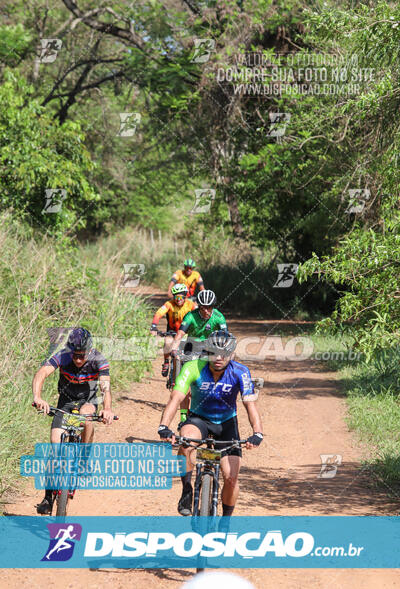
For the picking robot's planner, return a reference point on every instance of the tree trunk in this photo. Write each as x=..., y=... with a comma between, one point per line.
x=236, y=220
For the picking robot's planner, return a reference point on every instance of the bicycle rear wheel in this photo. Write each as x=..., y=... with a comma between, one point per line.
x=62, y=502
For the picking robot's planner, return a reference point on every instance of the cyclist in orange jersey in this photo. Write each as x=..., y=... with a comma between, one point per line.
x=187, y=276
x=175, y=310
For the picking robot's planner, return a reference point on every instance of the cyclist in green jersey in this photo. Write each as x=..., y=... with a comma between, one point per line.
x=198, y=325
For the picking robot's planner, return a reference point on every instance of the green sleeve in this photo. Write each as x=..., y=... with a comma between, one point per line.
x=222, y=321
x=187, y=322
x=188, y=374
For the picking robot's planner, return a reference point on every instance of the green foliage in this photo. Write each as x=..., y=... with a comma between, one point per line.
x=366, y=264
x=247, y=289
x=372, y=390
x=37, y=154
x=14, y=44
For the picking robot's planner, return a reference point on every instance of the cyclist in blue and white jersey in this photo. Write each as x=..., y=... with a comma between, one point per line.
x=215, y=384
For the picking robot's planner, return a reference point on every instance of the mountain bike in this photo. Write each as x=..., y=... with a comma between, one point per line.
x=73, y=424
x=205, y=499
x=171, y=376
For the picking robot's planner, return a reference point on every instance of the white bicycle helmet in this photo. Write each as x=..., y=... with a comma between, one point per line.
x=221, y=341
x=206, y=298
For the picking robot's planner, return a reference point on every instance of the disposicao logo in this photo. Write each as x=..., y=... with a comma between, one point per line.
x=62, y=541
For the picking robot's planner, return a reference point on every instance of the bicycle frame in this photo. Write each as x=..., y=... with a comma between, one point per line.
x=72, y=434
x=207, y=465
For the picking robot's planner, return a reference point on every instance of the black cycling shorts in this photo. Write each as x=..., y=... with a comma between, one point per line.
x=68, y=405
x=228, y=430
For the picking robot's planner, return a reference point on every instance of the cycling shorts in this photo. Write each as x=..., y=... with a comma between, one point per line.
x=228, y=430
x=67, y=405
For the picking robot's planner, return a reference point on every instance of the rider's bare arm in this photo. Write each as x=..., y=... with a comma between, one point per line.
x=163, y=310
x=254, y=417
x=105, y=389
x=200, y=283
x=171, y=408
x=37, y=385
x=177, y=339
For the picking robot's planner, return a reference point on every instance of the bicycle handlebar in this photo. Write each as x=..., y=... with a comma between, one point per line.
x=86, y=416
x=164, y=333
x=187, y=441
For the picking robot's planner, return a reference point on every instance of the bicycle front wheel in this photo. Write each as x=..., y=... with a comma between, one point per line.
x=62, y=501
x=205, y=507
x=206, y=494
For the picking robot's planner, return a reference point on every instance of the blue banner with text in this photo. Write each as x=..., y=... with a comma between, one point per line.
x=199, y=542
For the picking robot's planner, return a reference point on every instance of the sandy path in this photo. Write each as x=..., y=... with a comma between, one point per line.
x=303, y=415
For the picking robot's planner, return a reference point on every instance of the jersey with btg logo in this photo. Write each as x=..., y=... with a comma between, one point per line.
x=215, y=401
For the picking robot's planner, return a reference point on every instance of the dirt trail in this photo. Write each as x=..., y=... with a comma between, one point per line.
x=303, y=415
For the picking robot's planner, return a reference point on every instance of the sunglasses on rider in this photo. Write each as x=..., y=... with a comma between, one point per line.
x=179, y=297
x=79, y=354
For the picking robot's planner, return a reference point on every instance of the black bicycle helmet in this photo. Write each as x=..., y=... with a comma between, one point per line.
x=221, y=341
x=206, y=298
x=80, y=340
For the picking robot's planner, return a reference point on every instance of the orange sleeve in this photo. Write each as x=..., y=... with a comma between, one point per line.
x=175, y=276
x=161, y=312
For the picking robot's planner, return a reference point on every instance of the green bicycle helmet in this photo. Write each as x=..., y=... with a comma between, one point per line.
x=189, y=262
x=179, y=289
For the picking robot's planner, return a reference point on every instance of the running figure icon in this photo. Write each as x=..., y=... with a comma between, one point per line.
x=62, y=543
x=63, y=538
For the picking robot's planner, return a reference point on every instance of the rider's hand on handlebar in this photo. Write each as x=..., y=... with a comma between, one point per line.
x=254, y=441
x=107, y=415
x=166, y=434
x=173, y=353
x=41, y=405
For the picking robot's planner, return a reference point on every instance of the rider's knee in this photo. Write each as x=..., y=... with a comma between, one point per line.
x=231, y=481
x=185, y=451
x=55, y=436
x=87, y=407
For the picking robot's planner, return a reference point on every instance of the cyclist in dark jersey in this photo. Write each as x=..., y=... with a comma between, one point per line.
x=81, y=369
x=215, y=385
